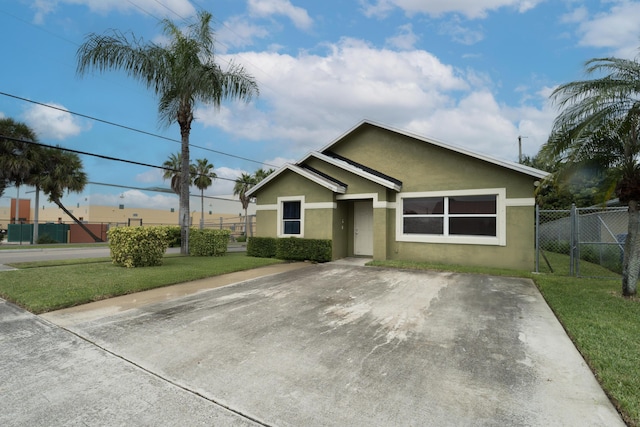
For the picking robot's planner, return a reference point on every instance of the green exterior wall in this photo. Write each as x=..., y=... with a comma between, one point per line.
x=422, y=167
x=518, y=254
x=425, y=167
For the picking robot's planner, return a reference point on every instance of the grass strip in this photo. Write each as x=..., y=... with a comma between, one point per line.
x=58, y=262
x=46, y=289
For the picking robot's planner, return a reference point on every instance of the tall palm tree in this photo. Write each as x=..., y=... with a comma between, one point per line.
x=181, y=73
x=203, y=179
x=599, y=121
x=242, y=185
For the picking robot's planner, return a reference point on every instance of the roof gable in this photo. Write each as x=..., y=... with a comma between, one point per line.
x=356, y=169
x=308, y=173
x=517, y=167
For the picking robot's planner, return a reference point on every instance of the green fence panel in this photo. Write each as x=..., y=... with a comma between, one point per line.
x=57, y=232
x=19, y=233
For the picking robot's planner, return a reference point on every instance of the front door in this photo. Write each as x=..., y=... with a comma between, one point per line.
x=363, y=228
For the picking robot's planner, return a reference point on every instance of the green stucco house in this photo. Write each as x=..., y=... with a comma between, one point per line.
x=384, y=193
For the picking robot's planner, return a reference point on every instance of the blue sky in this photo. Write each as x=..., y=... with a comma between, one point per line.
x=472, y=73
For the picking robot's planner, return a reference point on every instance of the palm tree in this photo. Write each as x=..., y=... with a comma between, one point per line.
x=242, y=185
x=17, y=156
x=203, y=180
x=60, y=172
x=599, y=122
x=261, y=174
x=181, y=74
x=172, y=171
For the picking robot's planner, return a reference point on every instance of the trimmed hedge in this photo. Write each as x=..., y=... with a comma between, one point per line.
x=261, y=247
x=174, y=236
x=208, y=242
x=138, y=246
x=303, y=249
x=292, y=248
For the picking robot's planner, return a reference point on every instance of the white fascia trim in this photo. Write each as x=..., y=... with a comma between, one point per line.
x=279, y=215
x=353, y=169
x=320, y=180
x=267, y=207
x=304, y=173
x=501, y=225
x=525, y=201
x=366, y=196
x=321, y=205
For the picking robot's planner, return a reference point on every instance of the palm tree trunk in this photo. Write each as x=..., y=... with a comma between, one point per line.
x=77, y=221
x=201, y=209
x=36, y=214
x=631, y=264
x=246, y=223
x=184, y=190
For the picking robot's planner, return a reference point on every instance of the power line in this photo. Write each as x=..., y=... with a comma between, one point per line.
x=158, y=190
x=144, y=132
x=102, y=156
x=134, y=129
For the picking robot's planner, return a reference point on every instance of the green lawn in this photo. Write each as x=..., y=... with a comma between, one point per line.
x=604, y=326
x=54, y=287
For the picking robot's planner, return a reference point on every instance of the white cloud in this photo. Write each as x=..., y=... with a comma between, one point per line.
x=460, y=33
x=615, y=30
x=165, y=8
x=472, y=9
x=268, y=8
x=150, y=176
x=238, y=32
x=353, y=81
x=405, y=39
x=53, y=123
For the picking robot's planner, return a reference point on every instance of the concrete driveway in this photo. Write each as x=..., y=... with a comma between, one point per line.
x=323, y=345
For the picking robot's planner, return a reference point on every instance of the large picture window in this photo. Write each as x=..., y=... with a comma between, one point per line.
x=456, y=218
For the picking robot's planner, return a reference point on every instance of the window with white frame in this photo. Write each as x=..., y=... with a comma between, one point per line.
x=291, y=216
x=473, y=217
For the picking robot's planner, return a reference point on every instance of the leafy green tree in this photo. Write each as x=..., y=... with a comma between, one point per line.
x=583, y=184
x=598, y=122
x=181, y=73
x=203, y=178
x=17, y=156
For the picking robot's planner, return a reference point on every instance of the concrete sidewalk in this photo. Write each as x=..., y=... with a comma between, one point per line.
x=331, y=344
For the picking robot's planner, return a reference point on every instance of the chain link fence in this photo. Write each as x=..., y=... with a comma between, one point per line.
x=572, y=238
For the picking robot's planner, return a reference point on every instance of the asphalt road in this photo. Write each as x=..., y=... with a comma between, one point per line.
x=28, y=254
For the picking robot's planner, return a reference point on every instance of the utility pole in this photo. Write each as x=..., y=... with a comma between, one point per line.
x=520, y=147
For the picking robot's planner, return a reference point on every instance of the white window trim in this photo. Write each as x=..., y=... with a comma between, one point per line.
x=501, y=221
x=368, y=196
x=280, y=230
